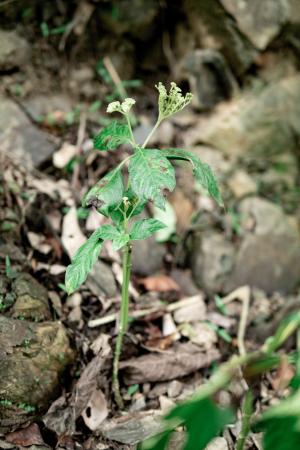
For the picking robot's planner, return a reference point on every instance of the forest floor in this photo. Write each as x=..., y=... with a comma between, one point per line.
x=190, y=285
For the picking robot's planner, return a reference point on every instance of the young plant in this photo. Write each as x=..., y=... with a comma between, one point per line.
x=150, y=175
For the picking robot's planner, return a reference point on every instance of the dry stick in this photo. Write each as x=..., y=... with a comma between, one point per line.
x=242, y=294
x=118, y=83
x=80, y=139
x=144, y=312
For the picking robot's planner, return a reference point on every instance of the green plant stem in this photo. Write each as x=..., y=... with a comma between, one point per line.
x=130, y=129
x=247, y=411
x=152, y=132
x=123, y=322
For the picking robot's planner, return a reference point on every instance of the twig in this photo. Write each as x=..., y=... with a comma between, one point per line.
x=243, y=294
x=118, y=83
x=115, y=77
x=80, y=139
x=144, y=312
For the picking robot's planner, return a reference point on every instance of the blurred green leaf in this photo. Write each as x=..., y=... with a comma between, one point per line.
x=112, y=136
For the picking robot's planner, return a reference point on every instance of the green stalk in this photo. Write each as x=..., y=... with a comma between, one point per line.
x=247, y=412
x=151, y=133
x=123, y=324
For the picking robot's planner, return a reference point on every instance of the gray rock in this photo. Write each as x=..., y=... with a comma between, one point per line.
x=21, y=139
x=213, y=28
x=269, y=255
x=14, y=50
x=43, y=105
x=211, y=79
x=269, y=262
x=147, y=256
x=212, y=260
x=34, y=356
x=101, y=280
x=260, y=21
x=254, y=124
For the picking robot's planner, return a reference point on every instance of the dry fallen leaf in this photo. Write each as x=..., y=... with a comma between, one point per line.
x=96, y=410
x=283, y=375
x=181, y=360
x=72, y=236
x=26, y=437
x=37, y=241
x=64, y=155
x=159, y=283
x=192, y=312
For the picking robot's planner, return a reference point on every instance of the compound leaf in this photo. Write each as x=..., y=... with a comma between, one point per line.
x=202, y=172
x=112, y=136
x=109, y=190
x=144, y=228
x=202, y=419
x=280, y=425
x=82, y=262
x=110, y=232
x=149, y=173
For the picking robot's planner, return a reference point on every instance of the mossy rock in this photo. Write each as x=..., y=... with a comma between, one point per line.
x=31, y=299
x=33, y=357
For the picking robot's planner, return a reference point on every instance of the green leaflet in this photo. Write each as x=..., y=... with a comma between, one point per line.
x=109, y=190
x=110, y=232
x=144, y=228
x=82, y=262
x=202, y=172
x=112, y=136
x=280, y=425
x=149, y=173
x=203, y=421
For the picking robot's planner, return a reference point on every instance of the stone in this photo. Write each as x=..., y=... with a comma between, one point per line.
x=211, y=260
x=175, y=388
x=215, y=29
x=20, y=139
x=269, y=255
x=101, y=280
x=193, y=312
x=34, y=356
x=14, y=51
x=241, y=184
x=31, y=299
x=218, y=443
x=40, y=106
x=147, y=256
x=211, y=80
x=259, y=21
x=254, y=124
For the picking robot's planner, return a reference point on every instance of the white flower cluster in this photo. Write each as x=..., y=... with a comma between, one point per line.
x=122, y=108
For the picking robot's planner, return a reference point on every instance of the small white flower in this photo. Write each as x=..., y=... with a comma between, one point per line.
x=113, y=106
x=127, y=105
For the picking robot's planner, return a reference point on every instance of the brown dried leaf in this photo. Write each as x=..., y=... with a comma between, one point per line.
x=283, y=375
x=26, y=437
x=96, y=410
x=159, y=283
x=182, y=360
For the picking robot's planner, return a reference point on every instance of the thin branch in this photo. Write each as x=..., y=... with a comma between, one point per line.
x=144, y=312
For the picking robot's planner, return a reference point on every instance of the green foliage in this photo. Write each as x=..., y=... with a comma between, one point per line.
x=110, y=232
x=109, y=190
x=281, y=425
x=202, y=419
x=144, y=228
x=83, y=261
x=112, y=136
x=149, y=173
x=202, y=172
